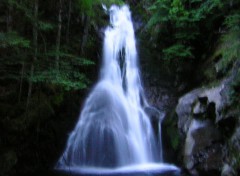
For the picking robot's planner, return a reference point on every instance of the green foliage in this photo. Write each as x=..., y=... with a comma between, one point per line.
x=177, y=51
x=172, y=131
x=17, y=50
x=12, y=39
x=45, y=26
x=89, y=6
x=86, y=6
x=25, y=7
x=108, y=3
x=67, y=80
x=72, y=59
x=159, y=13
x=229, y=50
x=67, y=76
x=180, y=20
x=174, y=137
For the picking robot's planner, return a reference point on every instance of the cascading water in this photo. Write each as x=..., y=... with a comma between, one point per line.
x=113, y=131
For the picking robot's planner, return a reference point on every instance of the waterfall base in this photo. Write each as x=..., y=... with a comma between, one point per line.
x=150, y=169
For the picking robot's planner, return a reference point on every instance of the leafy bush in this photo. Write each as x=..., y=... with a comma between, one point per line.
x=181, y=21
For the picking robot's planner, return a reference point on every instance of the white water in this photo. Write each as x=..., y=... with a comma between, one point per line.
x=160, y=140
x=113, y=130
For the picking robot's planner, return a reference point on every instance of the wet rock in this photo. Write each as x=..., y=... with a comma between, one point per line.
x=227, y=170
x=203, y=150
x=184, y=110
x=209, y=125
x=201, y=103
x=233, y=154
x=235, y=140
x=199, y=112
x=161, y=97
x=210, y=130
x=154, y=114
x=201, y=106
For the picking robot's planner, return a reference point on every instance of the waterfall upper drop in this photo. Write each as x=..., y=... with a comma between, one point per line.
x=113, y=130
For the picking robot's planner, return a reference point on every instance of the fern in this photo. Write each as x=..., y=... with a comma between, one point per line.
x=180, y=20
x=229, y=49
x=12, y=39
x=67, y=80
x=177, y=51
x=68, y=76
x=45, y=26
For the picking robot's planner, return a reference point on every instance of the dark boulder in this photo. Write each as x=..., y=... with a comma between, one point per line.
x=201, y=113
x=203, y=148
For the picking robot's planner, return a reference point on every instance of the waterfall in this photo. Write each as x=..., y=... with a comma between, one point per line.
x=160, y=140
x=113, y=130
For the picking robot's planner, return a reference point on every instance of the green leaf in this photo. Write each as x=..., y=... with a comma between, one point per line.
x=45, y=26
x=12, y=39
x=229, y=49
x=178, y=51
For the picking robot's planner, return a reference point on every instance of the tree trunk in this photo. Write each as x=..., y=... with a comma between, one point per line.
x=58, y=40
x=69, y=19
x=21, y=82
x=35, y=47
x=9, y=18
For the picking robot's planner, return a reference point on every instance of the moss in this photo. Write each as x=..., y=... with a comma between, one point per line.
x=234, y=156
x=209, y=76
x=172, y=131
x=174, y=137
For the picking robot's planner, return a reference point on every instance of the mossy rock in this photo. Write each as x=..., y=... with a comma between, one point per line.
x=170, y=124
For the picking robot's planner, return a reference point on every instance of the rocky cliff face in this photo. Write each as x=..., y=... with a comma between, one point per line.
x=210, y=130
